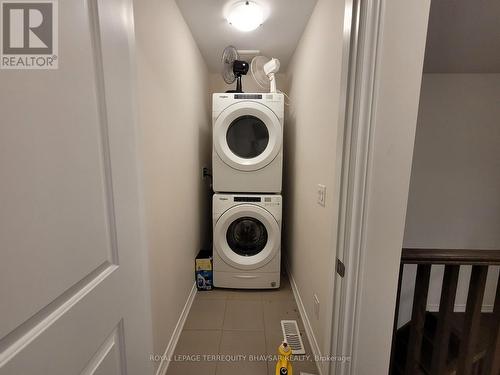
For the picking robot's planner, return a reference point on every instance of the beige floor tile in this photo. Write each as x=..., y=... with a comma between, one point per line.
x=232, y=368
x=244, y=315
x=191, y=368
x=239, y=294
x=245, y=351
x=245, y=295
x=243, y=342
x=280, y=309
x=277, y=294
x=274, y=338
x=198, y=342
x=284, y=292
x=243, y=325
x=212, y=294
x=206, y=314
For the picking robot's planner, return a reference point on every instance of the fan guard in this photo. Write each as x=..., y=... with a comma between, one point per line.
x=257, y=69
x=229, y=56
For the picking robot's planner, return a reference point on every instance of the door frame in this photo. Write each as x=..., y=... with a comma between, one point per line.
x=375, y=34
x=357, y=97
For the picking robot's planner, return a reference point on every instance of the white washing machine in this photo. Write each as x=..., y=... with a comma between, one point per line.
x=247, y=151
x=247, y=241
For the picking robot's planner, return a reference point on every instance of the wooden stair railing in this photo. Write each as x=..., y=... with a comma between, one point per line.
x=480, y=260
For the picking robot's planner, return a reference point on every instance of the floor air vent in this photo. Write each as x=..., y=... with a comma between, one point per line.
x=292, y=336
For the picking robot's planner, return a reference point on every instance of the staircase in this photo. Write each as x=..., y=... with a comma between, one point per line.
x=448, y=342
x=428, y=343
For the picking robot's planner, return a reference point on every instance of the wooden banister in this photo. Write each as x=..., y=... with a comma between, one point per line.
x=450, y=256
x=480, y=260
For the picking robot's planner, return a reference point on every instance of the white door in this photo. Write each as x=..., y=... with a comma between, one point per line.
x=72, y=291
x=247, y=236
x=247, y=136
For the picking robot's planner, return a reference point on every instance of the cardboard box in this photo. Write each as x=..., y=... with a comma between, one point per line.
x=203, y=272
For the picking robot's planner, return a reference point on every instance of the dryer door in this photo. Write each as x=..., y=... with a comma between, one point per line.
x=247, y=136
x=247, y=236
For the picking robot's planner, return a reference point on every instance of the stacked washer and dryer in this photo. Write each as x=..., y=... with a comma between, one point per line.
x=247, y=162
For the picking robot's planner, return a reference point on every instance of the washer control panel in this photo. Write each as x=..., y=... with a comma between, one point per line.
x=265, y=200
x=224, y=202
x=251, y=199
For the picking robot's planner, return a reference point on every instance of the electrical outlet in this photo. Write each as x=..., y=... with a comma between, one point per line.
x=316, y=306
x=322, y=195
x=205, y=172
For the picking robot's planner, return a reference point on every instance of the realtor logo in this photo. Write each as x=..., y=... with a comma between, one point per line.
x=29, y=37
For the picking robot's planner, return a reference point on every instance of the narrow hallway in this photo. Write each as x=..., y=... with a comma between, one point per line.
x=236, y=332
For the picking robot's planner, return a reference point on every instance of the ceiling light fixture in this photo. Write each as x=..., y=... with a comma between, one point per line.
x=246, y=15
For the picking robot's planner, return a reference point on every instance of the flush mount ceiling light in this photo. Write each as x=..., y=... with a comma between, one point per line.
x=246, y=15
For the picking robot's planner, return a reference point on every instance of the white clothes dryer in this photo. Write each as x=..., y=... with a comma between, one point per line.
x=247, y=151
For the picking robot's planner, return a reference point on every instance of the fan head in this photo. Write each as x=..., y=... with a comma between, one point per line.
x=258, y=73
x=229, y=56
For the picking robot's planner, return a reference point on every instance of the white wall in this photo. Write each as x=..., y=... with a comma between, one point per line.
x=175, y=124
x=454, y=199
x=311, y=129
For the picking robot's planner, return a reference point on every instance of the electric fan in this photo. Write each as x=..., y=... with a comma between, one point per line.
x=263, y=72
x=233, y=68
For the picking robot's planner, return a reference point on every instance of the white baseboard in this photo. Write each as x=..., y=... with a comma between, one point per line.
x=169, y=351
x=305, y=319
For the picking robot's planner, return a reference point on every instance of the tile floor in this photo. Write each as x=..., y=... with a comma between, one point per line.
x=225, y=328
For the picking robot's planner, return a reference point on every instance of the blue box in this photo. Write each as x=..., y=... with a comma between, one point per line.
x=203, y=270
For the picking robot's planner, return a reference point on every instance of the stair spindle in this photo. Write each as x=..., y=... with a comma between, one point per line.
x=443, y=330
x=492, y=363
x=472, y=319
x=418, y=318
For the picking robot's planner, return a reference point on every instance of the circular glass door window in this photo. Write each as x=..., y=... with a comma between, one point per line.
x=246, y=236
x=247, y=137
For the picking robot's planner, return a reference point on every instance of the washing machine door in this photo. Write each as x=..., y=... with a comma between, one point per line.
x=247, y=136
x=247, y=237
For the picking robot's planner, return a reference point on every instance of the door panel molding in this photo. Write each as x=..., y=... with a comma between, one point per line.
x=95, y=32
x=27, y=332
x=102, y=360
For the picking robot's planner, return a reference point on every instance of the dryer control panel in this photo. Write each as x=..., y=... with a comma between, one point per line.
x=221, y=101
x=248, y=96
